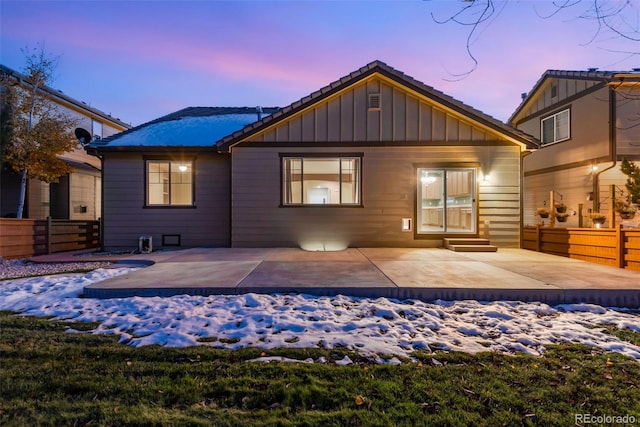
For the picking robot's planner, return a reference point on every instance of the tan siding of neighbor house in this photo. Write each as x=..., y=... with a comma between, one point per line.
x=126, y=218
x=566, y=167
x=589, y=139
x=84, y=191
x=628, y=122
x=388, y=195
x=571, y=186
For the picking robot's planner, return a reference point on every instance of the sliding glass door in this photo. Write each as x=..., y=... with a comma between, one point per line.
x=446, y=201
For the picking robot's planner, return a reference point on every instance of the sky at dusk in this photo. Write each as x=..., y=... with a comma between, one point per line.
x=139, y=60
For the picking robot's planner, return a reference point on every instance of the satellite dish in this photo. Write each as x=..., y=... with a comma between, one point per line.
x=83, y=136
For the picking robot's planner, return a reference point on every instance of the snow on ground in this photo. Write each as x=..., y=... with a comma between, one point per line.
x=370, y=326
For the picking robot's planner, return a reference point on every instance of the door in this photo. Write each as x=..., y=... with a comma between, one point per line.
x=446, y=201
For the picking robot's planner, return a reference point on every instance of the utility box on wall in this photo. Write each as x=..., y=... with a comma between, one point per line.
x=145, y=244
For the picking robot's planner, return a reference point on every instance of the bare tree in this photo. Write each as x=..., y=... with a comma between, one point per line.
x=34, y=131
x=615, y=18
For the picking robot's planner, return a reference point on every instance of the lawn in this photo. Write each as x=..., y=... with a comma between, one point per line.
x=52, y=377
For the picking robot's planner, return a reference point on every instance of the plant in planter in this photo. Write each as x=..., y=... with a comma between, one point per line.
x=560, y=207
x=633, y=180
x=598, y=218
x=543, y=212
x=625, y=210
x=562, y=216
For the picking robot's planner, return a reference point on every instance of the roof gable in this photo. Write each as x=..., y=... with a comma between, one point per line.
x=568, y=85
x=410, y=111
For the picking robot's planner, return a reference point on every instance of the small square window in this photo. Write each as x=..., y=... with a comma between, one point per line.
x=169, y=183
x=556, y=127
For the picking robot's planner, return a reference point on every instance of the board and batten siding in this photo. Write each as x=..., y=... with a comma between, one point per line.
x=388, y=195
x=565, y=89
x=402, y=116
x=126, y=219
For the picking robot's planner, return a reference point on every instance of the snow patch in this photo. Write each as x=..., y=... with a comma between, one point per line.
x=370, y=326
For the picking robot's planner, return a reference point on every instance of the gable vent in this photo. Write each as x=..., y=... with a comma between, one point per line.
x=374, y=101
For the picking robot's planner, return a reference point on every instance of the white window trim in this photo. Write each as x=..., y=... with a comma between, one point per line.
x=554, y=118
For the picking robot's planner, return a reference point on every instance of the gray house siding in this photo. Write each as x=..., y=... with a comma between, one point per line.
x=388, y=195
x=126, y=218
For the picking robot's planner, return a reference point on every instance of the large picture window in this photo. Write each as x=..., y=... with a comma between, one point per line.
x=555, y=128
x=169, y=183
x=321, y=180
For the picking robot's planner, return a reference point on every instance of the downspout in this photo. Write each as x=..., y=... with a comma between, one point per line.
x=522, y=156
x=612, y=150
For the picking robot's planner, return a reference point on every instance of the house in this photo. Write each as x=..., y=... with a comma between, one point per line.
x=76, y=195
x=376, y=158
x=587, y=122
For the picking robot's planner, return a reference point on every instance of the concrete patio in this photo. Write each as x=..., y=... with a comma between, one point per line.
x=427, y=274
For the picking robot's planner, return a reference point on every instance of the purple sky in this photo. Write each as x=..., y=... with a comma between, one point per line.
x=139, y=60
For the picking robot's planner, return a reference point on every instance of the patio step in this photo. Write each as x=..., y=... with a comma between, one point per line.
x=469, y=245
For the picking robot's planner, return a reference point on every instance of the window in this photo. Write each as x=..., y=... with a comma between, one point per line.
x=555, y=128
x=169, y=183
x=96, y=129
x=446, y=201
x=321, y=180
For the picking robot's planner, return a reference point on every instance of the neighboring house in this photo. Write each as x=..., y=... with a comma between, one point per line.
x=373, y=159
x=76, y=195
x=587, y=121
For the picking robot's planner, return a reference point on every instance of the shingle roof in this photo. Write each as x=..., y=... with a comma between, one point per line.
x=591, y=74
x=191, y=126
x=390, y=72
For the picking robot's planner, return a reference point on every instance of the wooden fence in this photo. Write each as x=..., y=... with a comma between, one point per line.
x=615, y=247
x=21, y=238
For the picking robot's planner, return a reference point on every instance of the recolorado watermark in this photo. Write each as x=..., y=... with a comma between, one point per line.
x=603, y=419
